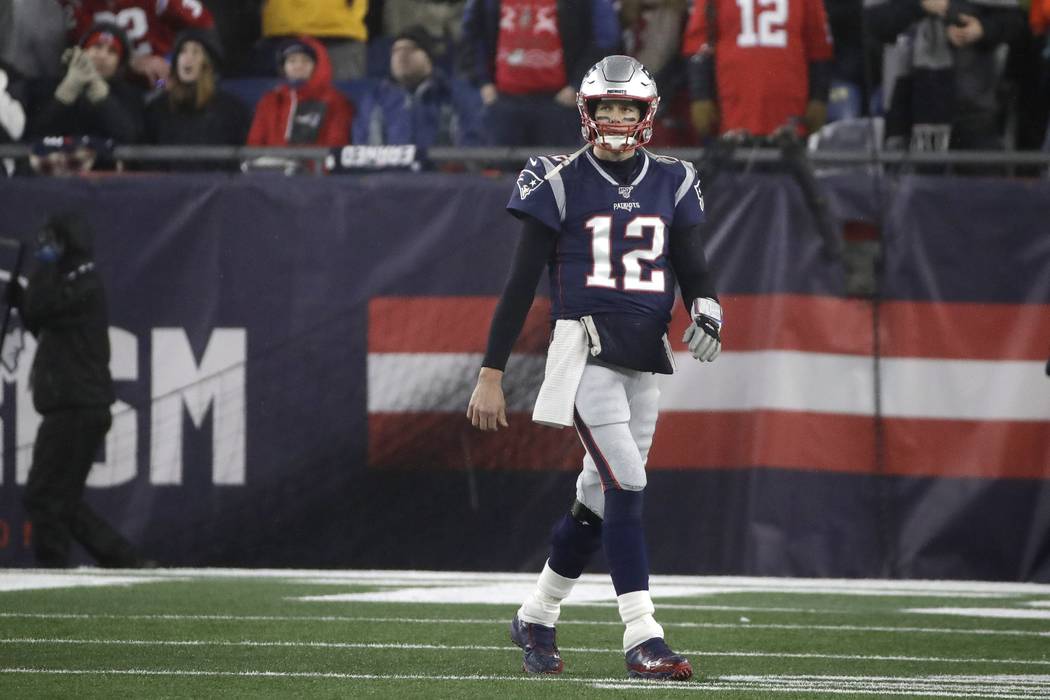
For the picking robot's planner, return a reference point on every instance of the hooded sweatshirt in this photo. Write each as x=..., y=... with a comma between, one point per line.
x=289, y=110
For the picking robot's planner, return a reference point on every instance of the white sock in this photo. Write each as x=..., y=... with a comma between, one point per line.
x=544, y=605
x=636, y=611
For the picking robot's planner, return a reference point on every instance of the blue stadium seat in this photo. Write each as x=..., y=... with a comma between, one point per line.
x=377, y=57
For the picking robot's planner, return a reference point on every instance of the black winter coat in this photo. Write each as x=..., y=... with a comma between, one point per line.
x=224, y=121
x=64, y=307
x=118, y=117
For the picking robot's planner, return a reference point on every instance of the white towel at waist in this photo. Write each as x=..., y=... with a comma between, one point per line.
x=566, y=358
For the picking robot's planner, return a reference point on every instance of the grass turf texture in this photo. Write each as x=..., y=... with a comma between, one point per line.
x=199, y=633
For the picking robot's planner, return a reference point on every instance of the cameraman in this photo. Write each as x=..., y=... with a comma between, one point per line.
x=64, y=307
x=942, y=70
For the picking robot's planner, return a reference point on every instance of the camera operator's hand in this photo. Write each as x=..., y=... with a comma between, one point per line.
x=937, y=8
x=704, y=334
x=77, y=77
x=704, y=116
x=566, y=97
x=489, y=94
x=969, y=31
x=816, y=116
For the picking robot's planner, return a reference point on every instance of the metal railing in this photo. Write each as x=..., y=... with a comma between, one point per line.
x=513, y=157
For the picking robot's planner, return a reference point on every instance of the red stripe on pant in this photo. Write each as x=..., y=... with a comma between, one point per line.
x=605, y=472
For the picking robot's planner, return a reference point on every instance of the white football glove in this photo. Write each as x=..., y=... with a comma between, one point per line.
x=704, y=334
x=77, y=77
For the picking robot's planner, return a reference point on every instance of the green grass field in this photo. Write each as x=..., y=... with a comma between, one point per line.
x=346, y=634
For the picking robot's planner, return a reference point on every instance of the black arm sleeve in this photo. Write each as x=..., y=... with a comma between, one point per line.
x=1001, y=26
x=534, y=250
x=53, y=302
x=700, y=76
x=819, y=80
x=690, y=264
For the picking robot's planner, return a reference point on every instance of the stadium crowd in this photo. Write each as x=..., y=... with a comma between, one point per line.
x=935, y=74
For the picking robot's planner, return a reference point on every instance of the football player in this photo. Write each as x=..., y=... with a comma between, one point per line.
x=617, y=227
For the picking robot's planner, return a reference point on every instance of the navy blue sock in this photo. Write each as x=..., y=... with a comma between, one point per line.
x=573, y=543
x=624, y=541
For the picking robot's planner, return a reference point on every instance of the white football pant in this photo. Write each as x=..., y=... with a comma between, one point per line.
x=616, y=411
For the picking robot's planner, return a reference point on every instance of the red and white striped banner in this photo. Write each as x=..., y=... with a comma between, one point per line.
x=961, y=388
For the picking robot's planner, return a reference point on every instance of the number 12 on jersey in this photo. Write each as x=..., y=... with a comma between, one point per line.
x=601, y=251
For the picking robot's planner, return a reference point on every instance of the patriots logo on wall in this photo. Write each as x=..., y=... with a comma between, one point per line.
x=625, y=192
x=528, y=182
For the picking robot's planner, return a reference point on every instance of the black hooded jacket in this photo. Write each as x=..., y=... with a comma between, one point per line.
x=64, y=307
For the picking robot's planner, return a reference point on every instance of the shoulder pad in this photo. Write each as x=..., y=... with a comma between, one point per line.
x=530, y=179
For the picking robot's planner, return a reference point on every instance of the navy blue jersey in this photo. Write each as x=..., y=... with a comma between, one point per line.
x=613, y=240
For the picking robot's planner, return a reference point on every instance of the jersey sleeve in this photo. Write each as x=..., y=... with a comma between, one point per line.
x=695, y=35
x=689, y=200
x=816, y=32
x=533, y=195
x=186, y=13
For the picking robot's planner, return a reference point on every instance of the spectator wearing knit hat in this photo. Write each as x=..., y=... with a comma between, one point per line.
x=305, y=109
x=152, y=26
x=418, y=104
x=93, y=98
x=192, y=110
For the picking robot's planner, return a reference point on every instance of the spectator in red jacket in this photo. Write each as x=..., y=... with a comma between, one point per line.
x=305, y=109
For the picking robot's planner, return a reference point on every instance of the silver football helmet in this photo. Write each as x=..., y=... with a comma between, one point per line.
x=618, y=78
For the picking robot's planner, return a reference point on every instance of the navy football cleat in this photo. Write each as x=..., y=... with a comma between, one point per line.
x=541, y=651
x=654, y=660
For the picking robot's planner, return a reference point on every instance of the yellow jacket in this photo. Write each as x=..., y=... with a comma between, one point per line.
x=320, y=18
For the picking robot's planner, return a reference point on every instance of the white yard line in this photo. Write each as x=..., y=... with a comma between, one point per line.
x=508, y=648
x=1011, y=687
x=717, y=584
x=998, y=613
x=811, y=690
x=718, y=608
x=501, y=621
x=36, y=581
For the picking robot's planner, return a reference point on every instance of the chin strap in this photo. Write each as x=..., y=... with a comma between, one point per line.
x=628, y=142
x=566, y=162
